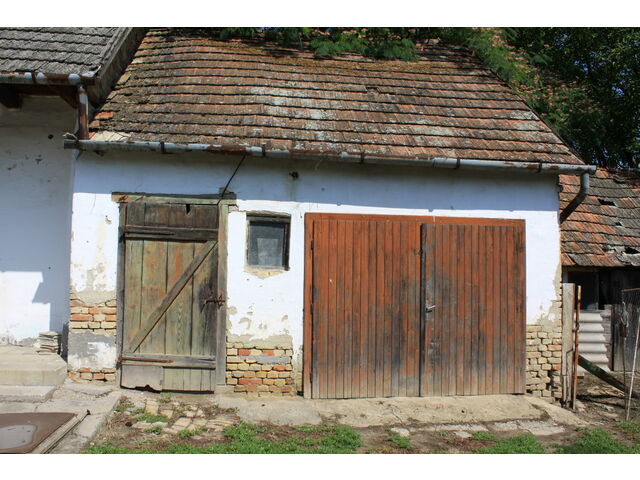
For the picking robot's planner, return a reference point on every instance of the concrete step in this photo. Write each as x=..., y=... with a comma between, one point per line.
x=10, y=393
x=22, y=366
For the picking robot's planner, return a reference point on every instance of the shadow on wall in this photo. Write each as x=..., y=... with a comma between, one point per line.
x=35, y=182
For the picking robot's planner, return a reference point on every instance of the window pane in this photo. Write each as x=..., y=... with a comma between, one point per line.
x=267, y=243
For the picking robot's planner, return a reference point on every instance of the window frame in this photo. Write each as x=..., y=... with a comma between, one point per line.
x=269, y=218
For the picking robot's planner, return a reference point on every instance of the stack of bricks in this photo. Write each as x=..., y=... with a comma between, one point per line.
x=261, y=371
x=93, y=374
x=100, y=318
x=544, y=361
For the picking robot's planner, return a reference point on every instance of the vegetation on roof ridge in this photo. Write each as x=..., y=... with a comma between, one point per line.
x=584, y=82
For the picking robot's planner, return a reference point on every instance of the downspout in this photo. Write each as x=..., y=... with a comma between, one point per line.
x=83, y=113
x=578, y=199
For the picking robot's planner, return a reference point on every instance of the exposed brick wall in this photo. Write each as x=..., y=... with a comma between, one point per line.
x=97, y=318
x=93, y=375
x=544, y=360
x=264, y=371
x=100, y=318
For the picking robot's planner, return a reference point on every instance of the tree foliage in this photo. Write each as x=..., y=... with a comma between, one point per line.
x=584, y=82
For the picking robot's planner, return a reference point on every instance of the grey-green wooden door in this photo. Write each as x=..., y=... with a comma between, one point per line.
x=171, y=297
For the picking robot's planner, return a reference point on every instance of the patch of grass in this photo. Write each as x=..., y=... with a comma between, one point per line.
x=484, y=436
x=122, y=406
x=518, y=444
x=190, y=433
x=631, y=427
x=164, y=398
x=597, y=441
x=245, y=439
x=398, y=441
x=156, y=429
x=137, y=411
x=149, y=418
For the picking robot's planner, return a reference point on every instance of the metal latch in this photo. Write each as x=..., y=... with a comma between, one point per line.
x=429, y=308
x=218, y=300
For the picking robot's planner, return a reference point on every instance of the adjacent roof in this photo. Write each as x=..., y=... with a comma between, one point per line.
x=56, y=50
x=604, y=231
x=185, y=86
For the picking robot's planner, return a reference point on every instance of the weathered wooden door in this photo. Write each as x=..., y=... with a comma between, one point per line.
x=364, y=306
x=409, y=306
x=170, y=326
x=474, y=310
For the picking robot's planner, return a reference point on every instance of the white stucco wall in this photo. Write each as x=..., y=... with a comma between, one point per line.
x=266, y=307
x=35, y=216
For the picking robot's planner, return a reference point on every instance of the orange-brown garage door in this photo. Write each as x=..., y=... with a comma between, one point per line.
x=408, y=306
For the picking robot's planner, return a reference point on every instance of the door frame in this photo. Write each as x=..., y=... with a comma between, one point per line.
x=224, y=204
x=308, y=272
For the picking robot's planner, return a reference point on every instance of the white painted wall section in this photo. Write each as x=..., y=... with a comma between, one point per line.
x=266, y=307
x=35, y=218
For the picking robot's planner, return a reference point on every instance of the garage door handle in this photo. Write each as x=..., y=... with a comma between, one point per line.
x=429, y=308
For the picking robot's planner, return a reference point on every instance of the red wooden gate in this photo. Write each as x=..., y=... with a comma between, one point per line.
x=368, y=282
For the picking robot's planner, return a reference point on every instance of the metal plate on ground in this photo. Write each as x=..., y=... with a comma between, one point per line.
x=23, y=432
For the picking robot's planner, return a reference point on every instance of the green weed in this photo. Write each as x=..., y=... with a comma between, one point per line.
x=156, y=429
x=597, y=441
x=190, y=433
x=631, y=427
x=164, y=398
x=518, y=444
x=398, y=441
x=122, y=406
x=244, y=438
x=484, y=436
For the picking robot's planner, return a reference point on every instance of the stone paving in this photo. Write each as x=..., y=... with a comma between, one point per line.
x=183, y=415
x=96, y=400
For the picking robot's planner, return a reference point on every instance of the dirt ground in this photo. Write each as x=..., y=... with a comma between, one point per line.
x=194, y=421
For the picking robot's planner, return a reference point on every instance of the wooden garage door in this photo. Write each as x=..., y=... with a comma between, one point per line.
x=475, y=332
x=171, y=297
x=369, y=282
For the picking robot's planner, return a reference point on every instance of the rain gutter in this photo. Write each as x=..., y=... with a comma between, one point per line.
x=36, y=78
x=451, y=163
x=80, y=83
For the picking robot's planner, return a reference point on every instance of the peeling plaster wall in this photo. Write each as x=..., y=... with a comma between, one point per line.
x=35, y=201
x=269, y=309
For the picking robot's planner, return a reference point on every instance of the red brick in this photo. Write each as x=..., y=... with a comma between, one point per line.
x=94, y=310
x=84, y=370
x=81, y=317
x=249, y=381
x=267, y=352
x=252, y=388
x=110, y=318
x=286, y=389
x=76, y=303
x=280, y=368
x=244, y=351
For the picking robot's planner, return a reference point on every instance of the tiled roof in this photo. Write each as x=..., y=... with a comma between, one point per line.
x=55, y=50
x=185, y=86
x=604, y=231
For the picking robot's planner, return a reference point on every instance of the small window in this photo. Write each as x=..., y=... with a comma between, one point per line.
x=268, y=242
